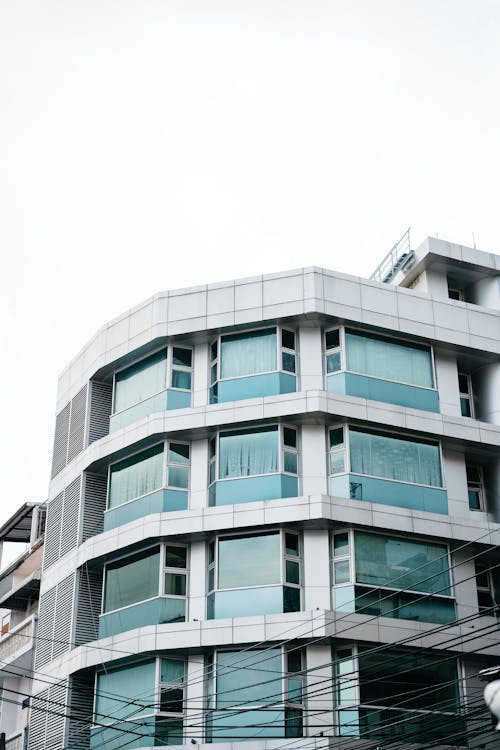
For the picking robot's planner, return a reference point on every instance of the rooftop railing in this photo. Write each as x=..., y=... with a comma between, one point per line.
x=396, y=259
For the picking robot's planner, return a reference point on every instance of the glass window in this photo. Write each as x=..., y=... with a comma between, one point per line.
x=484, y=586
x=474, y=486
x=248, y=353
x=401, y=563
x=125, y=692
x=389, y=359
x=249, y=679
x=243, y=454
x=140, y=381
x=181, y=356
x=333, y=351
x=395, y=458
x=136, y=476
x=249, y=561
x=131, y=580
x=408, y=680
x=464, y=386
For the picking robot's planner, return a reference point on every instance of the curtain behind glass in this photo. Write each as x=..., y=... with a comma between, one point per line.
x=140, y=381
x=132, y=580
x=393, y=458
x=401, y=564
x=248, y=353
x=249, y=561
x=121, y=692
x=389, y=359
x=247, y=454
x=136, y=476
x=249, y=678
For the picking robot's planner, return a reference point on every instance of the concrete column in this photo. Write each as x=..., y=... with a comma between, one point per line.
x=200, y=375
x=197, y=581
x=486, y=388
x=199, y=474
x=465, y=590
x=314, y=480
x=485, y=292
x=447, y=383
x=194, y=723
x=317, y=585
x=319, y=691
x=311, y=359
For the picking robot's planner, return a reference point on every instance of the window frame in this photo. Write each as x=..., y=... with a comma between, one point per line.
x=162, y=569
x=215, y=361
x=360, y=331
x=169, y=368
x=475, y=486
x=286, y=675
x=214, y=455
x=351, y=556
x=467, y=396
x=284, y=557
x=411, y=438
x=154, y=710
x=165, y=471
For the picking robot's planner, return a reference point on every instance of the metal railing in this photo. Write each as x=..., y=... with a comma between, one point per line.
x=397, y=257
x=18, y=639
x=15, y=742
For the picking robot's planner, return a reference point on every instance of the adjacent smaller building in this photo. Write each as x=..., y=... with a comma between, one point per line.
x=19, y=595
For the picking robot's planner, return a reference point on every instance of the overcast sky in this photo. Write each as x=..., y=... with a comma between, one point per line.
x=152, y=144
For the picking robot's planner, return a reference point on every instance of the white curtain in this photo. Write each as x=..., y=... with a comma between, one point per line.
x=248, y=353
x=136, y=476
x=140, y=381
x=391, y=360
x=393, y=458
x=249, y=453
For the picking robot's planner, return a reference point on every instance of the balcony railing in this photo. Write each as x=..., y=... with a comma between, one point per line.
x=396, y=259
x=15, y=742
x=17, y=640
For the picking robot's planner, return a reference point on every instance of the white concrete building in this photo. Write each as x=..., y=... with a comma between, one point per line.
x=273, y=515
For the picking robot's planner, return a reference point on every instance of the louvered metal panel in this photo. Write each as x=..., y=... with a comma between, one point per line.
x=70, y=517
x=56, y=723
x=81, y=711
x=101, y=400
x=38, y=721
x=76, y=439
x=94, y=505
x=63, y=616
x=61, y=440
x=53, y=531
x=88, y=606
x=45, y=628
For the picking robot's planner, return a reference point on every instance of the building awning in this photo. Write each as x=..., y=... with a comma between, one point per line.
x=18, y=527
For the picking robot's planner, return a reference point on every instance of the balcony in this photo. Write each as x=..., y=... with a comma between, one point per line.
x=163, y=401
x=15, y=741
x=160, y=501
x=390, y=492
x=388, y=391
x=17, y=648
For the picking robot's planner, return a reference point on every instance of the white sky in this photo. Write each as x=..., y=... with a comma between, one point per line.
x=152, y=144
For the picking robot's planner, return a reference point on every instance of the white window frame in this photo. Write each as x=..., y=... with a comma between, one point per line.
x=166, y=464
x=282, y=449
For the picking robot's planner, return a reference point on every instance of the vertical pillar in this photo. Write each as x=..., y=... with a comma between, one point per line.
x=311, y=359
x=319, y=716
x=314, y=460
x=194, y=726
x=317, y=592
x=200, y=375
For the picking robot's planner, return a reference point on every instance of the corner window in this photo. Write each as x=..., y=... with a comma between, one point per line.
x=378, y=356
x=254, y=452
x=264, y=687
x=154, y=688
x=164, y=465
x=249, y=353
x=474, y=486
x=156, y=572
x=168, y=368
x=381, y=455
x=373, y=574
x=259, y=560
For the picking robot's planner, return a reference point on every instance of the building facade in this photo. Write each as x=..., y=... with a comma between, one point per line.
x=274, y=515
x=19, y=594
